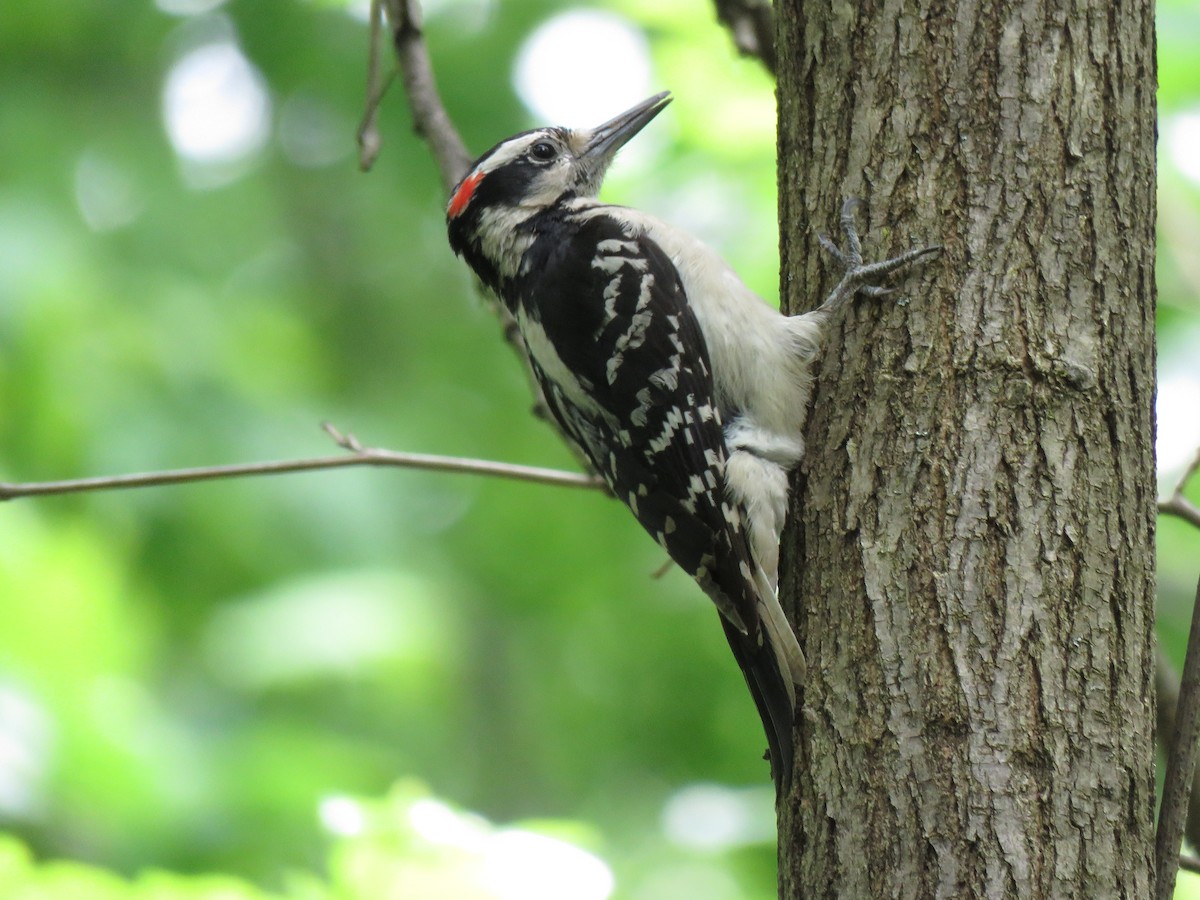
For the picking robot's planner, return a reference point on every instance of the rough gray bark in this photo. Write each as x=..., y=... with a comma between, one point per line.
x=971, y=566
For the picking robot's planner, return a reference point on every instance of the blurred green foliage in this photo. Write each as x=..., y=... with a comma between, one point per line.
x=192, y=678
x=186, y=674
x=407, y=844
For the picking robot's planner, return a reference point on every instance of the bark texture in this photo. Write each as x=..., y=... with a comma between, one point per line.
x=970, y=562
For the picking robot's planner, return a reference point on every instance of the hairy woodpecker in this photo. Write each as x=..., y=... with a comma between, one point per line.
x=684, y=390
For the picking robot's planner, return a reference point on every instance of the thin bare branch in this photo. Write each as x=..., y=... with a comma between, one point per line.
x=1178, y=505
x=369, y=141
x=357, y=455
x=1181, y=508
x=429, y=115
x=752, y=26
x=1181, y=763
x=1166, y=680
x=1189, y=863
x=1166, y=699
x=1192, y=469
x=433, y=123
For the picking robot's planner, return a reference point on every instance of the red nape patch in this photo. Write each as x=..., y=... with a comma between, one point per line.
x=463, y=195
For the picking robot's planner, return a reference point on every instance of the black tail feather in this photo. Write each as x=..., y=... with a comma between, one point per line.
x=760, y=666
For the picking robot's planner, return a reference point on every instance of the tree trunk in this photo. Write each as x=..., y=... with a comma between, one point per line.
x=970, y=562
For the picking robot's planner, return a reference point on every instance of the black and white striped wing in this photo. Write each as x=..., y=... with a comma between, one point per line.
x=625, y=371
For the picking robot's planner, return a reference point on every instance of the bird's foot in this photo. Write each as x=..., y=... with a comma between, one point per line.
x=859, y=277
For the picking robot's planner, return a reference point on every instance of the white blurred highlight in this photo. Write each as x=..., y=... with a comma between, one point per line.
x=713, y=817
x=1182, y=140
x=522, y=865
x=1178, y=432
x=105, y=193
x=582, y=67
x=26, y=732
x=343, y=816
x=217, y=112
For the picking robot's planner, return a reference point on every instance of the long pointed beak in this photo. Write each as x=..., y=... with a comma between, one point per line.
x=607, y=139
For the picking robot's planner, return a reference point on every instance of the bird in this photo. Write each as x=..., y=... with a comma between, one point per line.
x=683, y=390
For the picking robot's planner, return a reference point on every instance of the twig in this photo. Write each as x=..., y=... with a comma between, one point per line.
x=661, y=571
x=1178, y=505
x=429, y=115
x=1181, y=762
x=752, y=25
x=433, y=123
x=1181, y=508
x=1166, y=699
x=1189, y=863
x=369, y=141
x=1166, y=680
x=358, y=455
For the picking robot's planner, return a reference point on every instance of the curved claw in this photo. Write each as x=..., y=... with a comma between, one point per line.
x=874, y=290
x=833, y=250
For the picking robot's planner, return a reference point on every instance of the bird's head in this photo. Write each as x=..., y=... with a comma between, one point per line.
x=535, y=169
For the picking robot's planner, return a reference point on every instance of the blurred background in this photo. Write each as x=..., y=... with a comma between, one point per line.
x=371, y=683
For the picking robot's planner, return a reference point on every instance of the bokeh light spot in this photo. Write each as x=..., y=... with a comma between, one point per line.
x=1178, y=432
x=187, y=7
x=105, y=194
x=1182, y=134
x=343, y=816
x=714, y=817
x=521, y=865
x=25, y=749
x=582, y=67
x=216, y=110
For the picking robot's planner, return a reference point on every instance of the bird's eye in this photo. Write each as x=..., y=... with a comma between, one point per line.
x=543, y=151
